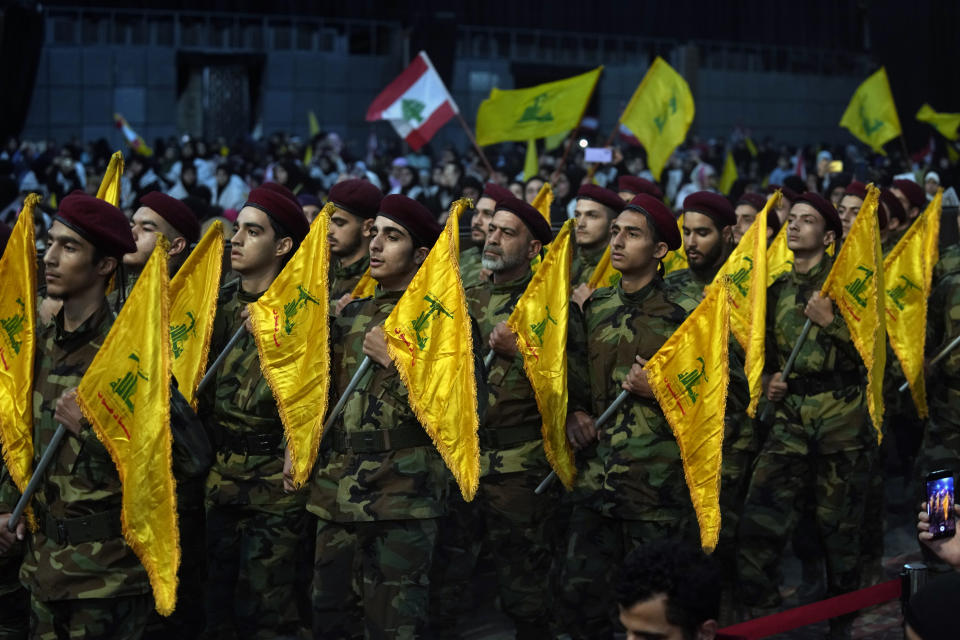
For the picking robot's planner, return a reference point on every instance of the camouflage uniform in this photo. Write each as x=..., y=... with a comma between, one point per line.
x=688, y=282
x=631, y=486
x=342, y=279
x=82, y=576
x=821, y=439
x=253, y=526
x=583, y=263
x=949, y=263
x=377, y=491
x=471, y=266
x=14, y=599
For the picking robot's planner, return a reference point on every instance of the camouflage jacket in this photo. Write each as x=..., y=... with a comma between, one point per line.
x=635, y=471
x=943, y=325
x=512, y=404
x=81, y=481
x=583, y=264
x=471, y=266
x=949, y=263
x=342, y=279
x=238, y=403
x=687, y=282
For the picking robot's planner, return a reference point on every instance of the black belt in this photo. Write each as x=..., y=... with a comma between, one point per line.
x=253, y=444
x=378, y=441
x=96, y=526
x=506, y=437
x=810, y=385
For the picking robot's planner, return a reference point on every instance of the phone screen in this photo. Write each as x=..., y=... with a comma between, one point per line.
x=940, y=498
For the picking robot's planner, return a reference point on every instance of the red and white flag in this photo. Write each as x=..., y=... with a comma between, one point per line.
x=137, y=143
x=417, y=103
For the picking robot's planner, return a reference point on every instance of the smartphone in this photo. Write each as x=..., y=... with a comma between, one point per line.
x=602, y=155
x=940, y=500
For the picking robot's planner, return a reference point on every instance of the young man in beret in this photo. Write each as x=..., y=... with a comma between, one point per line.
x=820, y=428
x=849, y=205
x=912, y=198
x=708, y=222
x=747, y=209
x=253, y=524
x=897, y=221
x=84, y=580
x=357, y=202
x=630, y=186
x=174, y=220
x=631, y=486
x=379, y=486
x=595, y=209
x=471, y=269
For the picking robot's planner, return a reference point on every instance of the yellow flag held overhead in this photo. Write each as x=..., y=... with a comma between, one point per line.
x=125, y=395
x=193, y=304
x=110, y=185
x=689, y=376
x=751, y=147
x=746, y=269
x=908, y=273
x=779, y=255
x=677, y=259
x=729, y=175
x=871, y=115
x=540, y=322
x=531, y=164
x=945, y=123
x=660, y=113
x=365, y=288
x=856, y=284
x=604, y=275
x=18, y=272
x=429, y=340
x=535, y=112
x=291, y=329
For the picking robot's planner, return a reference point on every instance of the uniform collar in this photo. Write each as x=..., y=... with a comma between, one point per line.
x=355, y=269
x=512, y=285
x=642, y=294
x=89, y=329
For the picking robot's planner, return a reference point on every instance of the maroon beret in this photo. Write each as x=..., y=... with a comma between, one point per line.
x=914, y=192
x=359, y=197
x=637, y=185
x=495, y=192
x=174, y=212
x=755, y=200
x=412, y=216
x=712, y=205
x=528, y=214
x=825, y=208
x=894, y=207
x=661, y=216
x=282, y=207
x=99, y=222
x=606, y=197
x=856, y=189
x=5, y=232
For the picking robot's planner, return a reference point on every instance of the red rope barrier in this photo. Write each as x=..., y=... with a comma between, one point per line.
x=818, y=611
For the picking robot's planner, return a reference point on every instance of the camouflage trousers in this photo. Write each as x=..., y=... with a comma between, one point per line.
x=14, y=599
x=123, y=618
x=371, y=579
x=595, y=548
x=252, y=570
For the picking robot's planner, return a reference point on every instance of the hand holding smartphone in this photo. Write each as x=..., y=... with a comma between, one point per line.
x=940, y=501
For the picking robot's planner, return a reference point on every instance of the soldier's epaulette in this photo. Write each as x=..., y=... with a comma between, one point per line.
x=228, y=290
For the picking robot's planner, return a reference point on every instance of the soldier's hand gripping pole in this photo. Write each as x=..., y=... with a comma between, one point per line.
x=604, y=417
x=789, y=366
x=37, y=476
x=488, y=360
x=216, y=364
x=940, y=356
x=354, y=381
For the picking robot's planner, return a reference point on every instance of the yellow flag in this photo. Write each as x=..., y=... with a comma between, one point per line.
x=779, y=255
x=314, y=128
x=366, y=287
x=856, y=284
x=689, y=376
x=677, y=259
x=429, y=340
x=729, y=175
x=110, y=185
x=125, y=395
x=871, y=115
x=908, y=273
x=540, y=322
x=746, y=269
x=660, y=113
x=531, y=164
x=544, y=201
x=291, y=328
x=18, y=272
x=751, y=147
x=535, y=112
x=193, y=304
x=604, y=275
x=945, y=123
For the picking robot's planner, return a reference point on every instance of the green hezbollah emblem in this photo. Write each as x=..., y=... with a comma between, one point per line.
x=13, y=327
x=869, y=126
x=423, y=320
x=858, y=286
x=742, y=275
x=539, y=328
x=180, y=333
x=412, y=110
x=126, y=386
x=899, y=292
x=295, y=306
x=669, y=109
x=692, y=379
x=533, y=111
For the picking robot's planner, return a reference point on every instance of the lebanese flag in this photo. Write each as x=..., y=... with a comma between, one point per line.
x=138, y=144
x=417, y=103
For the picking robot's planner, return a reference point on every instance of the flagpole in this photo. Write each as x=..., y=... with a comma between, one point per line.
x=789, y=366
x=354, y=381
x=488, y=360
x=212, y=369
x=606, y=415
x=940, y=356
x=473, y=141
x=37, y=476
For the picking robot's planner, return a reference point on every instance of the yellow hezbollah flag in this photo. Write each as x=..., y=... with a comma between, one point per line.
x=540, y=323
x=542, y=203
x=945, y=123
x=871, y=115
x=660, y=113
x=689, y=376
x=18, y=272
x=729, y=175
x=110, y=185
x=779, y=255
x=366, y=287
x=429, y=340
x=908, y=271
x=535, y=112
x=193, y=303
x=531, y=164
x=856, y=284
x=125, y=395
x=675, y=260
x=746, y=273
x=604, y=275
x=291, y=328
